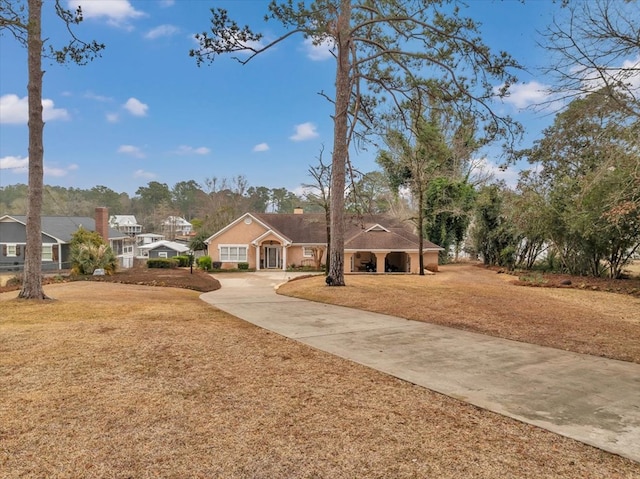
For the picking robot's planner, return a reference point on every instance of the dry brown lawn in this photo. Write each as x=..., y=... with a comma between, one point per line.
x=476, y=299
x=126, y=381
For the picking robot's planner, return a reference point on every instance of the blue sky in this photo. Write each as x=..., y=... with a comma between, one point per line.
x=145, y=112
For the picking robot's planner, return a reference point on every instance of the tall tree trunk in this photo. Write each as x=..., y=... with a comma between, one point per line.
x=340, y=145
x=32, y=280
x=420, y=230
x=327, y=217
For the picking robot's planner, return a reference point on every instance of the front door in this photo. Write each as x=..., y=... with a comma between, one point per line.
x=272, y=254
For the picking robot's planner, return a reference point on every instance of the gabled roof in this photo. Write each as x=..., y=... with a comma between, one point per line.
x=309, y=228
x=179, y=247
x=235, y=222
x=369, y=232
x=62, y=227
x=382, y=239
x=271, y=232
x=376, y=227
x=176, y=221
x=123, y=220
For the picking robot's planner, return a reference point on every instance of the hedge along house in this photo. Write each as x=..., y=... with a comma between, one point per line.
x=57, y=233
x=278, y=241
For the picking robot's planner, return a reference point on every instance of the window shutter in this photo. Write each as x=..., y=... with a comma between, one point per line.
x=4, y=250
x=17, y=250
x=55, y=252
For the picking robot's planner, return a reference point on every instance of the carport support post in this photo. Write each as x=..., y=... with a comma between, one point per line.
x=284, y=257
x=380, y=257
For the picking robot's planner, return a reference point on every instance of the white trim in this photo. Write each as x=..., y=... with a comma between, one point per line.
x=285, y=241
x=377, y=227
x=47, y=246
x=237, y=260
x=234, y=223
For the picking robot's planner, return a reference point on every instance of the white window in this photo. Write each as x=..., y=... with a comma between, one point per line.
x=12, y=250
x=47, y=252
x=307, y=252
x=162, y=254
x=233, y=253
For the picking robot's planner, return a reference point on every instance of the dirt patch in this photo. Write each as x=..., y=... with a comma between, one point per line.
x=477, y=299
x=153, y=382
x=184, y=278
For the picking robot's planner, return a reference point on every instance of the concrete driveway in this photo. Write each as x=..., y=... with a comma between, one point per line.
x=590, y=399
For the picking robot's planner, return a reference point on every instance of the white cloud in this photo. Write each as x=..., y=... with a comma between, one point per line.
x=143, y=174
x=16, y=163
x=56, y=172
x=523, y=95
x=261, y=147
x=118, y=13
x=322, y=51
x=19, y=164
x=132, y=151
x=15, y=110
x=190, y=150
x=101, y=98
x=167, y=3
x=304, y=131
x=113, y=117
x=508, y=175
x=161, y=31
x=136, y=107
x=49, y=112
x=629, y=73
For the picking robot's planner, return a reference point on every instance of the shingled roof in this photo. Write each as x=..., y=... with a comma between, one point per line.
x=63, y=227
x=361, y=232
x=305, y=228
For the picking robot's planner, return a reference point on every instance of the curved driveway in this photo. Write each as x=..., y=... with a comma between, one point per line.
x=590, y=399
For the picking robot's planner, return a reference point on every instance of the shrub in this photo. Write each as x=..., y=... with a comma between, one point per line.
x=204, y=262
x=217, y=265
x=243, y=266
x=87, y=257
x=162, y=263
x=14, y=281
x=183, y=260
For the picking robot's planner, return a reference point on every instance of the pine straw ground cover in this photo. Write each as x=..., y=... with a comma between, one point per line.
x=476, y=299
x=128, y=381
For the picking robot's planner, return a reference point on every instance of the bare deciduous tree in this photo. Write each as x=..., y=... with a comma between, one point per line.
x=596, y=49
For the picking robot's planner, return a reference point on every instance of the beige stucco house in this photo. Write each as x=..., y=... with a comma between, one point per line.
x=278, y=241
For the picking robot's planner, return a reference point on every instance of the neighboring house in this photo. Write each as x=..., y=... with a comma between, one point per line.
x=143, y=240
x=277, y=241
x=125, y=224
x=164, y=249
x=56, y=238
x=176, y=226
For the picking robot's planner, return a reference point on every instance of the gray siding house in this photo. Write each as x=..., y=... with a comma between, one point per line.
x=164, y=249
x=56, y=239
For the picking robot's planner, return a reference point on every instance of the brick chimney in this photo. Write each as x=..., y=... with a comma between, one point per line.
x=102, y=222
x=298, y=210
